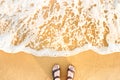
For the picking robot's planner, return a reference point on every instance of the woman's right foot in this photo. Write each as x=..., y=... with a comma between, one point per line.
x=71, y=72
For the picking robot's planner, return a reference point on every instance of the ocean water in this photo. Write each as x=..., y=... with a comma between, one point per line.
x=59, y=27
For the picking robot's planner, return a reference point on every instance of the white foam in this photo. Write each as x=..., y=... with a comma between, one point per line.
x=12, y=11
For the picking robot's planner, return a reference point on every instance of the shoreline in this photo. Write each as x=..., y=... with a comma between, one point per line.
x=53, y=53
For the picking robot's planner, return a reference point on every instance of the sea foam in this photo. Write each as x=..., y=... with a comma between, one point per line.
x=59, y=27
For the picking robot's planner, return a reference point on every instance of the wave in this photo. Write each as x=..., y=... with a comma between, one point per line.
x=59, y=27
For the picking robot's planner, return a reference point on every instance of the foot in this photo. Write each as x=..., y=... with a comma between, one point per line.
x=56, y=72
x=71, y=71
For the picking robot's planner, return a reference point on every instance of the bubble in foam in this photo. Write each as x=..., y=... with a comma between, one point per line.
x=59, y=27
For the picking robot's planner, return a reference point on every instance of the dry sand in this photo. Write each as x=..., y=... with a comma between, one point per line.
x=88, y=64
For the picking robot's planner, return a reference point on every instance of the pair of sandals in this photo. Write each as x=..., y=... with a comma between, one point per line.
x=56, y=72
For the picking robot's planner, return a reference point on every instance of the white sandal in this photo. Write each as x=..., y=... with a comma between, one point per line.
x=71, y=71
x=56, y=72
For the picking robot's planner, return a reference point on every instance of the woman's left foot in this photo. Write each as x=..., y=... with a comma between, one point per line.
x=56, y=72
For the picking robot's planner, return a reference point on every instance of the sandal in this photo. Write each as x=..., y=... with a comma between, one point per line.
x=71, y=72
x=56, y=72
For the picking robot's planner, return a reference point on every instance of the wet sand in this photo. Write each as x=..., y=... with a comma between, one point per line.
x=88, y=64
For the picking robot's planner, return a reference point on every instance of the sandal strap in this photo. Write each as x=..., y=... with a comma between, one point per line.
x=71, y=70
x=69, y=77
x=56, y=70
x=56, y=77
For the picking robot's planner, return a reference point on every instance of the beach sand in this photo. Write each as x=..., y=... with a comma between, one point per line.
x=88, y=64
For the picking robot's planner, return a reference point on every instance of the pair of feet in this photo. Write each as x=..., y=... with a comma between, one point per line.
x=56, y=72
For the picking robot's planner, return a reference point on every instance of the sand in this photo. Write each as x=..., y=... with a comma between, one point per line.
x=88, y=64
